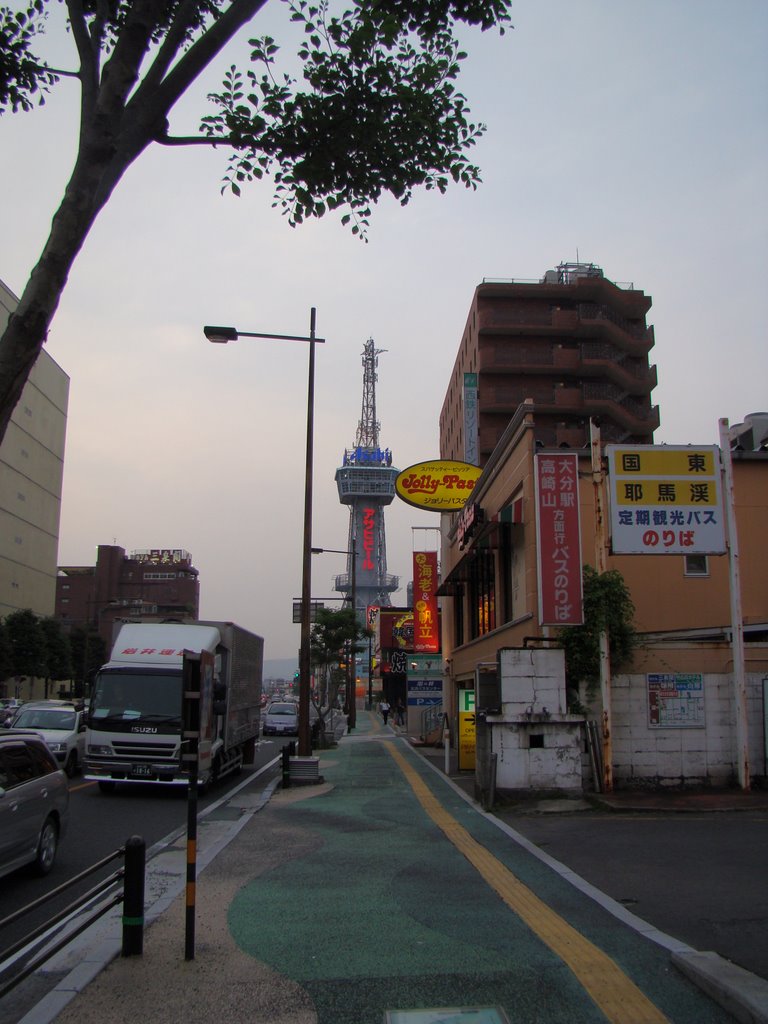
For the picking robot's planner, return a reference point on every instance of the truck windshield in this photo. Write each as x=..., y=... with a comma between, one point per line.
x=132, y=695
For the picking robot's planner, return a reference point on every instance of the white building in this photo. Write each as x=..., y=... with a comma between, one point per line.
x=31, y=472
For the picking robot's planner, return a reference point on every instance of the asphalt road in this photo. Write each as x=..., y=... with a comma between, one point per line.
x=701, y=878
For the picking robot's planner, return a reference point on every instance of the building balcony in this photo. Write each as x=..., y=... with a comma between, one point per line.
x=597, y=360
x=586, y=320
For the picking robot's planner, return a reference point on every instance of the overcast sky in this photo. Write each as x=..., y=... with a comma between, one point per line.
x=630, y=135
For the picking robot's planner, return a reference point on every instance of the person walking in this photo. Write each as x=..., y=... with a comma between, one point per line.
x=384, y=709
x=399, y=713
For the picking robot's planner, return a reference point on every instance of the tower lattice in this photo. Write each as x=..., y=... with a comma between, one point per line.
x=366, y=482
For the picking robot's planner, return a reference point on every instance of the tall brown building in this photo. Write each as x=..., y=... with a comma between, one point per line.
x=573, y=343
x=160, y=583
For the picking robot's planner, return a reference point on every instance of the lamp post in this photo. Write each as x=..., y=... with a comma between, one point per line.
x=351, y=679
x=222, y=335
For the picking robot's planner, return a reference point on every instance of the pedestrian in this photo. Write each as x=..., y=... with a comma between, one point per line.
x=384, y=709
x=399, y=713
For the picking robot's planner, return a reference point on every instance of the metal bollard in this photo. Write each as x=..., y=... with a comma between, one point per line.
x=133, y=897
x=289, y=749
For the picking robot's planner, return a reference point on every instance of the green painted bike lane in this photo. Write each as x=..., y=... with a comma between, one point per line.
x=385, y=913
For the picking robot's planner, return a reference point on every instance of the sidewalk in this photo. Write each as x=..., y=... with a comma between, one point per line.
x=374, y=892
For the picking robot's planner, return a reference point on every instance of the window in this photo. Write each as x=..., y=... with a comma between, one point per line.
x=696, y=565
x=482, y=595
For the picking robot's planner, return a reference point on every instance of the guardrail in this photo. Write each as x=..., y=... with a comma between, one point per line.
x=131, y=896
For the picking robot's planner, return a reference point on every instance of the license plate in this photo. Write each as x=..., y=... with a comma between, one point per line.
x=141, y=771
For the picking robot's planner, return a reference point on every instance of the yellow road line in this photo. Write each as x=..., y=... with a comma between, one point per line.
x=618, y=997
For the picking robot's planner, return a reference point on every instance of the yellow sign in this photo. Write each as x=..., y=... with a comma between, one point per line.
x=439, y=486
x=467, y=730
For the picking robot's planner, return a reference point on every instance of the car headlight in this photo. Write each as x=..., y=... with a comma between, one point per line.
x=58, y=748
x=103, y=749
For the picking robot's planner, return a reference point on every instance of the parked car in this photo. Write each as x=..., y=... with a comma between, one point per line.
x=61, y=724
x=8, y=708
x=34, y=803
x=281, y=719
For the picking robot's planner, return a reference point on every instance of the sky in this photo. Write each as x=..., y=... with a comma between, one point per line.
x=629, y=135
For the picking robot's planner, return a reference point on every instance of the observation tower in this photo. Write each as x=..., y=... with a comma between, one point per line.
x=366, y=482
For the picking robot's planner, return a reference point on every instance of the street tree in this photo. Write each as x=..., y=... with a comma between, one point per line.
x=58, y=660
x=88, y=653
x=5, y=653
x=26, y=643
x=333, y=643
x=607, y=607
x=377, y=111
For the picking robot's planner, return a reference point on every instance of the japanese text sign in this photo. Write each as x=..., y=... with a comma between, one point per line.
x=558, y=533
x=426, y=637
x=665, y=500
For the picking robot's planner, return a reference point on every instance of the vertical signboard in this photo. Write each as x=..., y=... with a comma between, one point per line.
x=665, y=500
x=426, y=639
x=558, y=534
x=467, y=730
x=470, y=419
x=373, y=625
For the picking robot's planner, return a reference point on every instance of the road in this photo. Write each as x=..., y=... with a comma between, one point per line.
x=100, y=824
x=699, y=877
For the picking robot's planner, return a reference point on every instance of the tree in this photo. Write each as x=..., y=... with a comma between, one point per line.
x=88, y=652
x=26, y=641
x=58, y=660
x=332, y=640
x=607, y=606
x=5, y=653
x=378, y=112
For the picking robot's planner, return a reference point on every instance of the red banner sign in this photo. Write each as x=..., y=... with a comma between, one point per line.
x=426, y=639
x=558, y=533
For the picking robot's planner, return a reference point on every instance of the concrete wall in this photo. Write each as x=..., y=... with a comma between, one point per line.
x=538, y=746
x=646, y=756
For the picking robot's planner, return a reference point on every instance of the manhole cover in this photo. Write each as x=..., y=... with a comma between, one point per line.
x=448, y=1015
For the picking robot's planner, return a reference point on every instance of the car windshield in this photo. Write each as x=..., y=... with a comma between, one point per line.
x=130, y=695
x=281, y=709
x=46, y=718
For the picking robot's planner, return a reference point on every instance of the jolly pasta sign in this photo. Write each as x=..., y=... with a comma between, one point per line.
x=440, y=486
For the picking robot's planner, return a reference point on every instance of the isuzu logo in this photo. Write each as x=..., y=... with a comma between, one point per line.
x=144, y=728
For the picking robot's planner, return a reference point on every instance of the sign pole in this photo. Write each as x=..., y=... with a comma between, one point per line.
x=737, y=622
x=191, y=739
x=601, y=545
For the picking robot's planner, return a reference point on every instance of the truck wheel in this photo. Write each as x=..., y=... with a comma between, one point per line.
x=47, y=845
x=107, y=787
x=70, y=767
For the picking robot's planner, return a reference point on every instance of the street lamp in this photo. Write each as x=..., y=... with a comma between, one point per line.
x=351, y=678
x=221, y=335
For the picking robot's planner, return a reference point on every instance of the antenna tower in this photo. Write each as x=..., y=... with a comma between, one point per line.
x=366, y=483
x=368, y=428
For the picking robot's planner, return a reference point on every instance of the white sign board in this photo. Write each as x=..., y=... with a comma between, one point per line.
x=665, y=500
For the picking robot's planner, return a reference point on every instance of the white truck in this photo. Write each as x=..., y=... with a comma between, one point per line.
x=134, y=731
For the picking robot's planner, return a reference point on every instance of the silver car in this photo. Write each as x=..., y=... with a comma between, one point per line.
x=281, y=719
x=34, y=803
x=61, y=724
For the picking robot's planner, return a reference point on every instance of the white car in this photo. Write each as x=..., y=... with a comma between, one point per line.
x=61, y=724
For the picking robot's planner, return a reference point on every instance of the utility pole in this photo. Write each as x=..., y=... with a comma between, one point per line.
x=601, y=547
x=737, y=620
